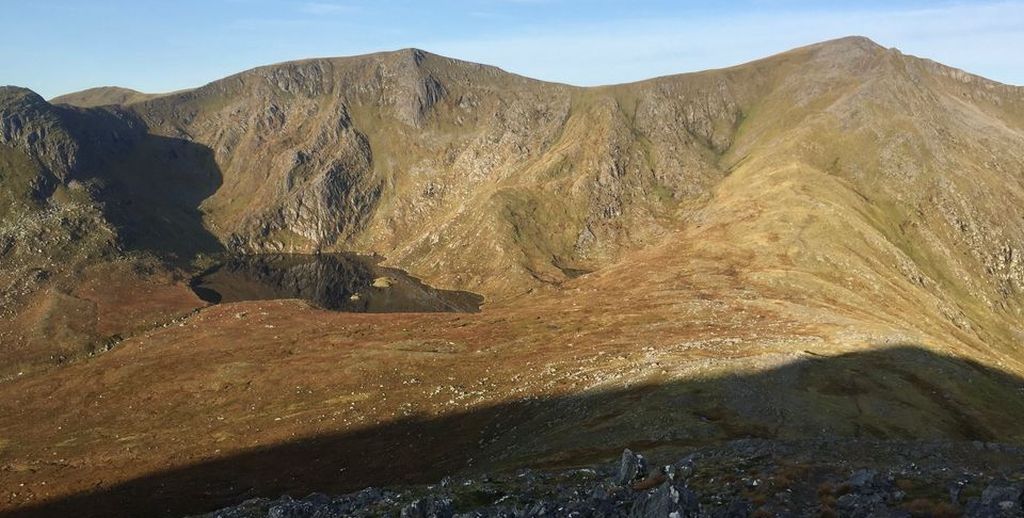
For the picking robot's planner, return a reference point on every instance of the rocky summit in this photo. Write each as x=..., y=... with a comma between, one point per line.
x=804, y=273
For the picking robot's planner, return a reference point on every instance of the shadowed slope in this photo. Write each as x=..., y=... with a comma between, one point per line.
x=148, y=186
x=895, y=393
x=91, y=203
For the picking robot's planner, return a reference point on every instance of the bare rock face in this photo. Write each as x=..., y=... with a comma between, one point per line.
x=64, y=140
x=327, y=194
x=51, y=147
x=415, y=91
x=295, y=123
x=30, y=124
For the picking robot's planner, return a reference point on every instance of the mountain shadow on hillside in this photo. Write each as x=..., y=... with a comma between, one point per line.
x=898, y=393
x=152, y=193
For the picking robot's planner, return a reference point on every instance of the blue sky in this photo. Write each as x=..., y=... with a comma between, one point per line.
x=58, y=46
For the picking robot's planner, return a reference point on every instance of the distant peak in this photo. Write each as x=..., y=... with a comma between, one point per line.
x=840, y=50
x=15, y=90
x=417, y=55
x=861, y=42
x=102, y=95
x=11, y=93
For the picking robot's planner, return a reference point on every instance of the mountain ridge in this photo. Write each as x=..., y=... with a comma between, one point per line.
x=855, y=40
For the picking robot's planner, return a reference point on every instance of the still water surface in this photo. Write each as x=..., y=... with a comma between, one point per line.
x=340, y=282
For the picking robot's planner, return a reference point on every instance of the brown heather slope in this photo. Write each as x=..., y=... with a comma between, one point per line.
x=826, y=241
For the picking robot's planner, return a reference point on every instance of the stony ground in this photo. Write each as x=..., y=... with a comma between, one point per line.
x=739, y=479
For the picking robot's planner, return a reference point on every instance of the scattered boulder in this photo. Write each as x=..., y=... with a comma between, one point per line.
x=862, y=479
x=740, y=479
x=669, y=500
x=1000, y=499
x=288, y=508
x=383, y=282
x=870, y=494
x=632, y=468
x=861, y=504
x=429, y=507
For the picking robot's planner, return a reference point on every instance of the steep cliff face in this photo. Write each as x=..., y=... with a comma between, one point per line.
x=65, y=141
x=374, y=153
x=33, y=128
x=429, y=160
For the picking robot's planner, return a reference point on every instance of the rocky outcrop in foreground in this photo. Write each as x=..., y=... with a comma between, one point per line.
x=742, y=478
